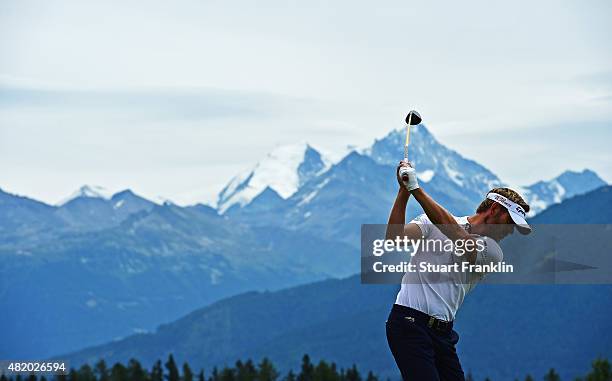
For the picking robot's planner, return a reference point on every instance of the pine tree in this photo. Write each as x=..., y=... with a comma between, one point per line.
x=325, y=372
x=528, y=378
x=601, y=371
x=307, y=371
x=135, y=371
x=290, y=376
x=352, y=374
x=552, y=376
x=246, y=371
x=157, y=372
x=201, y=376
x=173, y=373
x=86, y=373
x=266, y=371
x=101, y=371
x=215, y=374
x=187, y=373
x=119, y=372
x=227, y=374
x=238, y=366
x=469, y=376
x=72, y=375
x=371, y=377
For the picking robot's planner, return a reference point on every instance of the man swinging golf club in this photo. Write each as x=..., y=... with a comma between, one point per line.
x=420, y=325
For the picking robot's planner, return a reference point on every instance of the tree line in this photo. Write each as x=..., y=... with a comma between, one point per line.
x=249, y=371
x=241, y=371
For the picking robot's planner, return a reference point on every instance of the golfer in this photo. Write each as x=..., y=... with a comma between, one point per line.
x=420, y=325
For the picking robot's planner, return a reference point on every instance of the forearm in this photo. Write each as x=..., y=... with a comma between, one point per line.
x=397, y=217
x=439, y=216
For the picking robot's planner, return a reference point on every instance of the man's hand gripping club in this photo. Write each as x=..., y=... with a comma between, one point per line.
x=406, y=176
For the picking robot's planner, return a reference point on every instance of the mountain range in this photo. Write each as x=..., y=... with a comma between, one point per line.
x=152, y=267
x=106, y=266
x=464, y=181
x=340, y=197
x=506, y=331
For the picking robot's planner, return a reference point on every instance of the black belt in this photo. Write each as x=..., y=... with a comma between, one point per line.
x=421, y=317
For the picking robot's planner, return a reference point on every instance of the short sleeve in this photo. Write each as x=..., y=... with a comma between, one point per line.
x=489, y=251
x=424, y=224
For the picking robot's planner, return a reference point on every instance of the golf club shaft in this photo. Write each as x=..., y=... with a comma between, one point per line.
x=402, y=173
x=407, y=138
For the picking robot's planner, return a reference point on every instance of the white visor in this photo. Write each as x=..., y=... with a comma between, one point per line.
x=517, y=213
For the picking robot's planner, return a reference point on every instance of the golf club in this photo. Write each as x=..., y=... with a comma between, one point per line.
x=412, y=119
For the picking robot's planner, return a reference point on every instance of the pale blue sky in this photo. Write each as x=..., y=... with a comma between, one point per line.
x=174, y=98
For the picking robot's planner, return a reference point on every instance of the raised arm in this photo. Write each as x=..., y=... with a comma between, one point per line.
x=440, y=216
x=396, y=225
x=446, y=223
x=398, y=211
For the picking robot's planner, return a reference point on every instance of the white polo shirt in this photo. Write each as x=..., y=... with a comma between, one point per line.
x=441, y=295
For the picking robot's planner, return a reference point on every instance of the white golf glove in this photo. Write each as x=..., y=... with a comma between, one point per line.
x=407, y=171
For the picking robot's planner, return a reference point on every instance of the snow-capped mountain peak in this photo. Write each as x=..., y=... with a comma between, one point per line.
x=542, y=194
x=433, y=160
x=283, y=170
x=88, y=191
x=299, y=173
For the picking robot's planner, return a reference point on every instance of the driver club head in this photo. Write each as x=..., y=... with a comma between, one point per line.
x=415, y=119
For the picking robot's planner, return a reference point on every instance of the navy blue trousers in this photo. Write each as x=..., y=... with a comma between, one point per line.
x=422, y=353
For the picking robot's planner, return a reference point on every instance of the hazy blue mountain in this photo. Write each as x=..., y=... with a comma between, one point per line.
x=356, y=191
x=204, y=209
x=594, y=207
x=85, y=213
x=506, y=330
x=263, y=203
x=88, y=191
x=312, y=164
x=23, y=216
x=568, y=184
x=89, y=209
x=155, y=266
x=126, y=203
x=85, y=210
x=337, y=202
